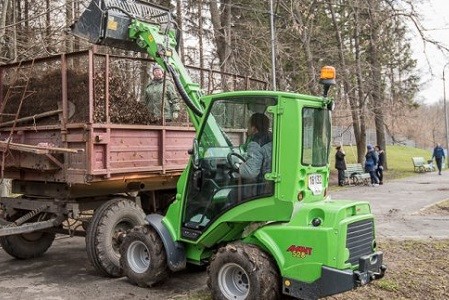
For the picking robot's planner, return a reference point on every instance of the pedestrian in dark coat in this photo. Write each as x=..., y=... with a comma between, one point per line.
x=438, y=153
x=380, y=164
x=371, y=164
x=340, y=165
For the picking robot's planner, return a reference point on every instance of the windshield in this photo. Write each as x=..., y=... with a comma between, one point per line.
x=316, y=136
x=228, y=124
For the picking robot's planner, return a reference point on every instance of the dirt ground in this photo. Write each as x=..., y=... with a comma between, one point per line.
x=64, y=273
x=418, y=264
x=417, y=269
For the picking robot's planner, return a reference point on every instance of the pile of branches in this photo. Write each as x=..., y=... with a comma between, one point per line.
x=42, y=94
x=45, y=92
x=124, y=107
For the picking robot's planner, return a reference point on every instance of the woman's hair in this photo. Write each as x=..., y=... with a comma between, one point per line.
x=260, y=121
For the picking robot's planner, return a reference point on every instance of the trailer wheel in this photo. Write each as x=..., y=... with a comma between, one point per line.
x=27, y=245
x=143, y=258
x=243, y=271
x=105, y=231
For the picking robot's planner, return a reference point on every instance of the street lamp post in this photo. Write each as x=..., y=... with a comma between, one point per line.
x=445, y=116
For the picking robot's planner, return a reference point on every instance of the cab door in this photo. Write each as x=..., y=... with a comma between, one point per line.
x=215, y=184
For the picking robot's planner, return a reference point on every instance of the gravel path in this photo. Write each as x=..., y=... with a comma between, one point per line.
x=397, y=205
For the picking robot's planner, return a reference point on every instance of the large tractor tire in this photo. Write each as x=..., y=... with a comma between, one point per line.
x=27, y=245
x=143, y=257
x=242, y=271
x=104, y=234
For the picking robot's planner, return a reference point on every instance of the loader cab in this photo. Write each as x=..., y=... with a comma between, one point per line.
x=231, y=159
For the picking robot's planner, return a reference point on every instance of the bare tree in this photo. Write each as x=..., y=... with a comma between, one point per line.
x=303, y=14
x=3, y=14
x=220, y=12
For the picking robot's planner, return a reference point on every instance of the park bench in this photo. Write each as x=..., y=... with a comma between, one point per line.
x=355, y=174
x=420, y=165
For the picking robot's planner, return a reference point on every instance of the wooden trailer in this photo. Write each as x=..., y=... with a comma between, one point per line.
x=83, y=155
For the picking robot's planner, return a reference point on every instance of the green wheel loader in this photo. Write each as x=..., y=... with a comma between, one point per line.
x=276, y=233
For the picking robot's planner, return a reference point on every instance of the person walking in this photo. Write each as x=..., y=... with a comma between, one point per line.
x=159, y=90
x=380, y=164
x=438, y=154
x=370, y=165
x=340, y=165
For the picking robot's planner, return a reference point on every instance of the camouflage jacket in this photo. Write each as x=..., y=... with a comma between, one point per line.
x=153, y=99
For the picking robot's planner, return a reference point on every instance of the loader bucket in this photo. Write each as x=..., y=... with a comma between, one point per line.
x=106, y=22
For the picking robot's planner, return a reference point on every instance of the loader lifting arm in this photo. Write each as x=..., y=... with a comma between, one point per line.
x=161, y=47
x=141, y=26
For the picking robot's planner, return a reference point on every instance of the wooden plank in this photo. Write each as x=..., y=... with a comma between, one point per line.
x=36, y=149
x=38, y=116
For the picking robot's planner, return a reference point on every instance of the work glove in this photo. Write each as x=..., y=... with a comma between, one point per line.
x=175, y=115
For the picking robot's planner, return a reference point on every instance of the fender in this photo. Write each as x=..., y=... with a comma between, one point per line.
x=176, y=256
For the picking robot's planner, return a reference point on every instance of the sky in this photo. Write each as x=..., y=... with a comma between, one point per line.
x=430, y=60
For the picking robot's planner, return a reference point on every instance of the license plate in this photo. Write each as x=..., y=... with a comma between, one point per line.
x=316, y=183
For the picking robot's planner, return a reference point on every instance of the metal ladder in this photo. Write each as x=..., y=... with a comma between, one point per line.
x=19, y=86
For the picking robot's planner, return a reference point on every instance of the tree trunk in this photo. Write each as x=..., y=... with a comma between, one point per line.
x=180, y=23
x=14, y=50
x=48, y=27
x=3, y=17
x=221, y=22
x=305, y=28
x=359, y=105
x=376, y=73
x=200, y=39
x=69, y=20
x=344, y=70
x=3, y=44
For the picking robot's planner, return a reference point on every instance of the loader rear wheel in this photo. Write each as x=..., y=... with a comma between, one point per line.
x=105, y=231
x=27, y=245
x=243, y=271
x=143, y=257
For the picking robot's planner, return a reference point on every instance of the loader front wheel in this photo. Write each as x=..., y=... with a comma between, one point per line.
x=27, y=245
x=105, y=231
x=243, y=271
x=143, y=257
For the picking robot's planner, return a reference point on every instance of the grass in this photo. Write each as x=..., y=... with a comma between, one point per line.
x=416, y=269
x=399, y=159
x=441, y=208
x=201, y=294
x=388, y=285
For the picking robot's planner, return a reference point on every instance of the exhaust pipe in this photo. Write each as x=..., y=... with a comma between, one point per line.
x=106, y=22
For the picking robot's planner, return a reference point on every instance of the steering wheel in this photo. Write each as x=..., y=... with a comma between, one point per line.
x=235, y=164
